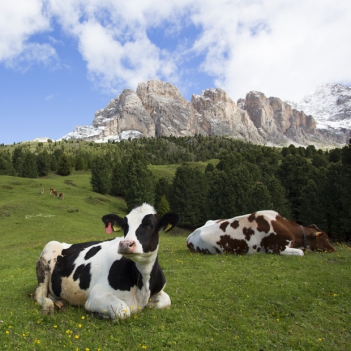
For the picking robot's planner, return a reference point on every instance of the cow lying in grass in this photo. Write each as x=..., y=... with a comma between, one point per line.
x=259, y=232
x=112, y=278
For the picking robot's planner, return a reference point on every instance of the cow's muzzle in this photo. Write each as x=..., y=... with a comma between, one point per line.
x=126, y=246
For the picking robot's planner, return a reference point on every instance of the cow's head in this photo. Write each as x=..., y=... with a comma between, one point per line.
x=141, y=227
x=318, y=240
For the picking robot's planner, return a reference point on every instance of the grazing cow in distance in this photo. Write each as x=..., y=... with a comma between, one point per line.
x=259, y=232
x=53, y=192
x=61, y=196
x=111, y=278
x=41, y=190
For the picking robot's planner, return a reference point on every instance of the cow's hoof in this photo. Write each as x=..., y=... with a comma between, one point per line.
x=60, y=304
x=48, y=307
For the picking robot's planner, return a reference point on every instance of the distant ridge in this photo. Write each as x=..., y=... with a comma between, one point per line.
x=157, y=109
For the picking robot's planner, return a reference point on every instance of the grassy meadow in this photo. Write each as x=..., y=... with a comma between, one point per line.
x=220, y=302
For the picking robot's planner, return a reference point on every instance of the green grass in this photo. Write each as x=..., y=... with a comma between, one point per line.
x=168, y=171
x=220, y=302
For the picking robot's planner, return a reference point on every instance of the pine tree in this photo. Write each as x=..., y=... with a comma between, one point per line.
x=162, y=188
x=100, y=179
x=118, y=179
x=294, y=173
x=311, y=208
x=64, y=167
x=346, y=196
x=188, y=196
x=139, y=182
x=17, y=158
x=79, y=164
x=259, y=198
x=219, y=196
x=28, y=167
x=333, y=194
x=43, y=163
x=163, y=206
x=6, y=167
x=277, y=192
x=319, y=161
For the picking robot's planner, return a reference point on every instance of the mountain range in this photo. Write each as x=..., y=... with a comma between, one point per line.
x=156, y=108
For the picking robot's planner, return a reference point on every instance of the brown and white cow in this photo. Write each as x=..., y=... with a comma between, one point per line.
x=111, y=278
x=61, y=196
x=53, y=192
x=258, y=232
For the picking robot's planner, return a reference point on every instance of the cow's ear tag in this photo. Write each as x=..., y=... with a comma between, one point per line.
x=318, y=234
x=168, y=227
x=117, y=228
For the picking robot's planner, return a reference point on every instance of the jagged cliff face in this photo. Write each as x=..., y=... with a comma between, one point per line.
x=170, y=112
x=221, y=116
x=125, y=112
x=159, y=109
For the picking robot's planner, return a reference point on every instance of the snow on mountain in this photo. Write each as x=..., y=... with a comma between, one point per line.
x=125, y=135
x=83, y=132
x=90, y=133
x=41, y=140
x=329, y=104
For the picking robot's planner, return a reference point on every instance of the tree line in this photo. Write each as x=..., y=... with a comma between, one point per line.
x=303, y=184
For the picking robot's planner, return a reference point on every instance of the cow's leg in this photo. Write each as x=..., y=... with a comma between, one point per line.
x=107, y=305
x=292, y=252
x=44, y=267
x=160, y=300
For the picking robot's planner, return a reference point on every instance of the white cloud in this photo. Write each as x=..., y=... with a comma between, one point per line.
x=282, y=48
x=19, y=20
x=113, y=41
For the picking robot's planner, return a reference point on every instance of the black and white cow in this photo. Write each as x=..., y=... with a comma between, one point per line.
x=112, y=278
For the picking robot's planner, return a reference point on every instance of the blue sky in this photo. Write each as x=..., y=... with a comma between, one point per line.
x=62, y=60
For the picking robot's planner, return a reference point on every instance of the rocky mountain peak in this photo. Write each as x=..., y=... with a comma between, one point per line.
x=158, y=109
x=158, y=88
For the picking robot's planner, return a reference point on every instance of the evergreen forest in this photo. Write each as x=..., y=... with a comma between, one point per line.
x=301, y=183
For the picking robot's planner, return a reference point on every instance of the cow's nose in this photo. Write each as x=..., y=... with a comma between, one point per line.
x=126, y=246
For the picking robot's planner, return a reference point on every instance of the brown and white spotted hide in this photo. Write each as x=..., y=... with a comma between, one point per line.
x=259, y=232
x=53, y=192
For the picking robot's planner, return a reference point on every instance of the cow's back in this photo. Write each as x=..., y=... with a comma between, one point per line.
x=259, y=232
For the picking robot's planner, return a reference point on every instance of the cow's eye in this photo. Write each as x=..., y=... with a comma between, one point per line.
x=150, y=226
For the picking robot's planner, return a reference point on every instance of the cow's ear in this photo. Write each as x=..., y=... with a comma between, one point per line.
x=317, y=234
x=168, y=221
x=114, y=219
